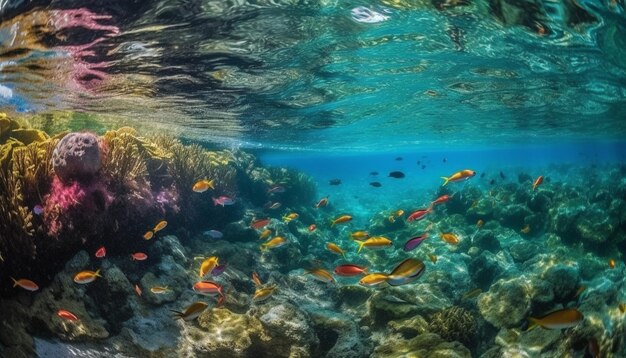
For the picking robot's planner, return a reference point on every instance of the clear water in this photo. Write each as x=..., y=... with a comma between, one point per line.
x=336, y=90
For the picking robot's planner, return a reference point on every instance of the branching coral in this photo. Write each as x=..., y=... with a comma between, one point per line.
x=454, y=324
x=33, y=166
x=16, y=228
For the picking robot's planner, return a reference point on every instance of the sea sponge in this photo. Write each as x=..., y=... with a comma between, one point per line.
x=77, y=156
x=454, y=324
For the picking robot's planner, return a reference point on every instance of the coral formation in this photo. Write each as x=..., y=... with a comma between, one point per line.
x=454, y=324
x=77, y=156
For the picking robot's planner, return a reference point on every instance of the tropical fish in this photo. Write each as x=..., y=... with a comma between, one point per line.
x=38, y=209
x=256, y=279
x=260, y=223
x=480, y=223
x=67, y=315
x=218, y=270
x=406, y=272
x=334, y=181
x=203, y=185
x=192, y=311
x=223, y=200
x=622, y=307
x=291, y=216
x=440, y=200
x=348, y=270
x=376, y=184
x=159, y=289
x=525, y=229
x=160, y=226
x=275, y=242
x=593, y=348
x=138, y=290
x=415, y=242
x=374, y=173
x=359, y=235
x=398, y=213
x=450, y=238
x=564, y=318
x=148, y=235
x=86, y=276
x=322, y=203
x=392, y=219
x=261, y=294
x=374, y=280
x=274, y=206
x=376, y=242
x=418, y=215
x=321, y=275
x=208, y=288
x=214, y=234
x=397, y=175
x=458, y=176
x=433, y=258
x=312, y=227
x=537, y=182
x=399, y=158
x=25, y=284
x=139, y=256
x=611, y=263
x=101, y=252
x=208, y=265
x=336, y=249
x=276, y=189
x=265, y=234
x=580, y=290
x=471, y=294
x=341, y=220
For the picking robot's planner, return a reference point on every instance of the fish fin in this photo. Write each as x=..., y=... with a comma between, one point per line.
x=15, y=284
x=177, y=314
x=532, y=323
x=446, y=181
x=220, y=300
x=365, y=270
x=361, y=243
x=210, y=184
x=98, y=273
x=332, y=223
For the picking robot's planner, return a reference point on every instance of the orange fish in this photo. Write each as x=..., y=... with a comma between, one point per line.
x=256, y=279
x=203, y=185
x=525, y=229
x=265, y=234
x=86, y=276
x=433, y=258
x=480, y=223
x=340, y=220
x=450, y=238
x=336, y=249
x=67, y=315
x=321, y=275
x=148, y=235
x=25, y=284
x=139, y=256
x=138, y=290
x=580, y=290
x=537, y=182
x=160, y=226
x=612, y=263
x=322, y=203
x=458, y=176
x=312, y=227
x=101, y=252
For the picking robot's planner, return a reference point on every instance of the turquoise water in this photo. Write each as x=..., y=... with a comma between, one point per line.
x=146, y=148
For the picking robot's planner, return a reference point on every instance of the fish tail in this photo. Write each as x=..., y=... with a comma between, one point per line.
x=211, y=185
x=446, y=180
x=98, y=273
x=15, y=284
x=332, y=223
x=215, y=203
x=532, y=323
x=178, y=314
x=361, y=243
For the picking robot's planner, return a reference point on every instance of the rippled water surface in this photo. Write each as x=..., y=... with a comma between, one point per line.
x=325, y=74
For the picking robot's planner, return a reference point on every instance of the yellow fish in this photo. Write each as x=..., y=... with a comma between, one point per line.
x=398, y=213
x=480, y=223
x=433, y=258
x=275, y=242
x=376, y=242
x=265, y=234
x=208, y=265
x=392, y=219
x=203, y=185
x=159, y=289
x=525, y=229
x=291, y=216
x=160, y=226
x=340, y=220
x=192, y=311
x=336, y=249
x=406, y=272
x=458, y=176
x=374, y=280
x=321, y=275
x=148, y=235
x=261, y=294
x=450, y=238
x=359, y=235
x=86, y=276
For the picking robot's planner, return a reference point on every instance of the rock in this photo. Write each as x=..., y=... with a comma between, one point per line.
x=113, y=295
x=486, y=240
x=13, y=330
x=339, y=335
x=409, y=327
x=540, y=202
x=507, y=302
x=513, y=216
x=528, y=343
x=423, y=299
x=239, y=231
x=77, y=156
x=485, y=268
x=425, y=345
x=170, y=245
x=290, y=328
x=564, y=280
x=523, y=250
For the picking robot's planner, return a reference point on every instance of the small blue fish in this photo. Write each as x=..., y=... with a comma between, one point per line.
x=38, y=209
x=415, y=242
x=218, y=270
x=214, y=234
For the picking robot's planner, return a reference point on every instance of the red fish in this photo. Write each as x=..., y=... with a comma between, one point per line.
x=101, y=252
x=322, y=203
x=261, y=223
x=537, y=182
x=418, y=215
x=67, y=315
x=440, y=200
x=349, y=270
x=312, y=227
x=139, y=256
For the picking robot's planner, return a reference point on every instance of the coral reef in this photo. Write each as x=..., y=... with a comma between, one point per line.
x=454, y=324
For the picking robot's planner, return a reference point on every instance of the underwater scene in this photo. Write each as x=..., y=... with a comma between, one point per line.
x=313, y=178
